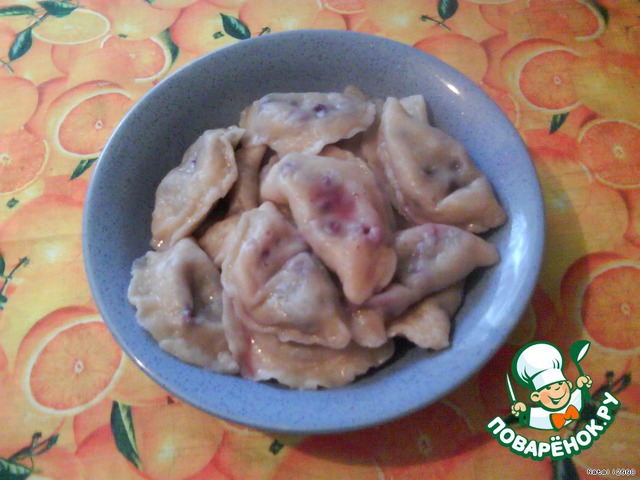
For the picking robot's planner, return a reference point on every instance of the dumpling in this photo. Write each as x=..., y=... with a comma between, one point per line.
x=431, y=257
x=262, y=241
x=334, y=151
x=368, y=327
x=270, y=159
x=263, y=356
x=303, y=304
x=367, y=145
x=178, y=297
x=416, y=107
x=216, y=239
x=429, y=176
x=306, y=122
x=341, y=213
x=188, y=192
x=242, y=197
x=245, y=193
x=283, y=289
x=427, y=323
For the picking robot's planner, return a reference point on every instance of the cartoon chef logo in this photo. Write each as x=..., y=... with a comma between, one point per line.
x=538, y=367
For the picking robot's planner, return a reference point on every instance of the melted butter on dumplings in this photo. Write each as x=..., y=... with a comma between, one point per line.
x=296, y=246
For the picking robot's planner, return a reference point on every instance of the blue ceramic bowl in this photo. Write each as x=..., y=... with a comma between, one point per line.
x=210, y=93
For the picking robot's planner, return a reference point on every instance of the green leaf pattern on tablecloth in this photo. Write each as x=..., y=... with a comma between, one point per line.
x=124, y=433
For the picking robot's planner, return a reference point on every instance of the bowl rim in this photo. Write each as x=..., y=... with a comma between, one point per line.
x=356, y=416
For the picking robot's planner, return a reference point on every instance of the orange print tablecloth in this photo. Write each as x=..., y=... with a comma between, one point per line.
x=72, y=406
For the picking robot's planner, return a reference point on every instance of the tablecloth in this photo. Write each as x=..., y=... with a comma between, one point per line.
x=72, y=406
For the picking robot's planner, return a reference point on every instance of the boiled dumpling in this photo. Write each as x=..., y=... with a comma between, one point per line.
x=188, y=192
x=305, y=122
x=341, y=213
x=245, y=193
x=281, y=288
x=216, y=239
x=428, y=176
x=304, y=305
x=243, y=196
x=431, y=257
x=427, y=323
x=416, y=107
x=368, y=327
x=262, y=241
x=178, y=297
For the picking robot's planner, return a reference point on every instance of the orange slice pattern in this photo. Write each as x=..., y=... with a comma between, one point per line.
x=63, y=369
x=22, y=158
x=610, y=149
x=81, y=120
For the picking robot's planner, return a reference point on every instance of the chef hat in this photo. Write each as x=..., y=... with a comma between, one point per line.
x=537, y=365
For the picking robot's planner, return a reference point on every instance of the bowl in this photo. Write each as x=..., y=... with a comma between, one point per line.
x=210, y=93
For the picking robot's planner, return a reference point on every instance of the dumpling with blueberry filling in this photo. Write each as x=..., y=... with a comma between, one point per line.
x=188, y=192
x=217, y=238
x=245, y=192
x=306, y=122
x=282, y=288
x=429, y=176
x=431, y=257
x=178, y=297
x=341, y=213
x=427, y=323
x=243, y=196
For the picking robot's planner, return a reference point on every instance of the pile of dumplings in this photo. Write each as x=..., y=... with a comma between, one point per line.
x=298, y=244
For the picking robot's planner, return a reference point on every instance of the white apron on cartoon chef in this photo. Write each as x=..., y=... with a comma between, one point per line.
x=538, y=367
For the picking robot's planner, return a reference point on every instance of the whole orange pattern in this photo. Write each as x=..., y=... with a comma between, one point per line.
x=566, y=73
